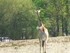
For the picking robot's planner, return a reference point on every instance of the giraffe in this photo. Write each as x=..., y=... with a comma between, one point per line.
x=43, y=34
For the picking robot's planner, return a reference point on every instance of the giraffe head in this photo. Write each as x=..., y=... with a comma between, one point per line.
x=39, y=20
x=37, y=11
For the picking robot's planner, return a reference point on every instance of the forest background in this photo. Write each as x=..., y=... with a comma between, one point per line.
x=18, y=19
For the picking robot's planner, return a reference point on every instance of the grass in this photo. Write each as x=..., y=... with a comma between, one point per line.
x=20, y=43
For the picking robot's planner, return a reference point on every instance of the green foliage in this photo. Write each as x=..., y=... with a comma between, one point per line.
x=17, y=17
x=52, y=13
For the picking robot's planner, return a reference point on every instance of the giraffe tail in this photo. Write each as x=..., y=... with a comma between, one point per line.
x=43, y=43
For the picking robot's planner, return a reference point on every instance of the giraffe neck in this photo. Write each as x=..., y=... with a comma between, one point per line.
x=39, y=21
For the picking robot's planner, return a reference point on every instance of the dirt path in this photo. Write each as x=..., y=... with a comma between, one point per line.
x=54, y=45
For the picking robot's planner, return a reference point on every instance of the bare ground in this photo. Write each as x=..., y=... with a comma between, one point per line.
x=54, y=45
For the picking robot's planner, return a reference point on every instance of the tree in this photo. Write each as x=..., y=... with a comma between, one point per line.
x=16, y=18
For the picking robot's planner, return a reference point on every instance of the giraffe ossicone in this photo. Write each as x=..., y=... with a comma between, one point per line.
x=37, y=11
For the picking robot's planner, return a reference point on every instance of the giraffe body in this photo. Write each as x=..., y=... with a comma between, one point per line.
x=43, y=34
x=43, y=38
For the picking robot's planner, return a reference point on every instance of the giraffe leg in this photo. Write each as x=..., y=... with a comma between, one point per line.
x=43, y=43
x=40, y=45
x=45, y=46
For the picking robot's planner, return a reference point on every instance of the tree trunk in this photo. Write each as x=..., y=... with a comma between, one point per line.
x=57, y=25
x=67, y=16
x=63, y=25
